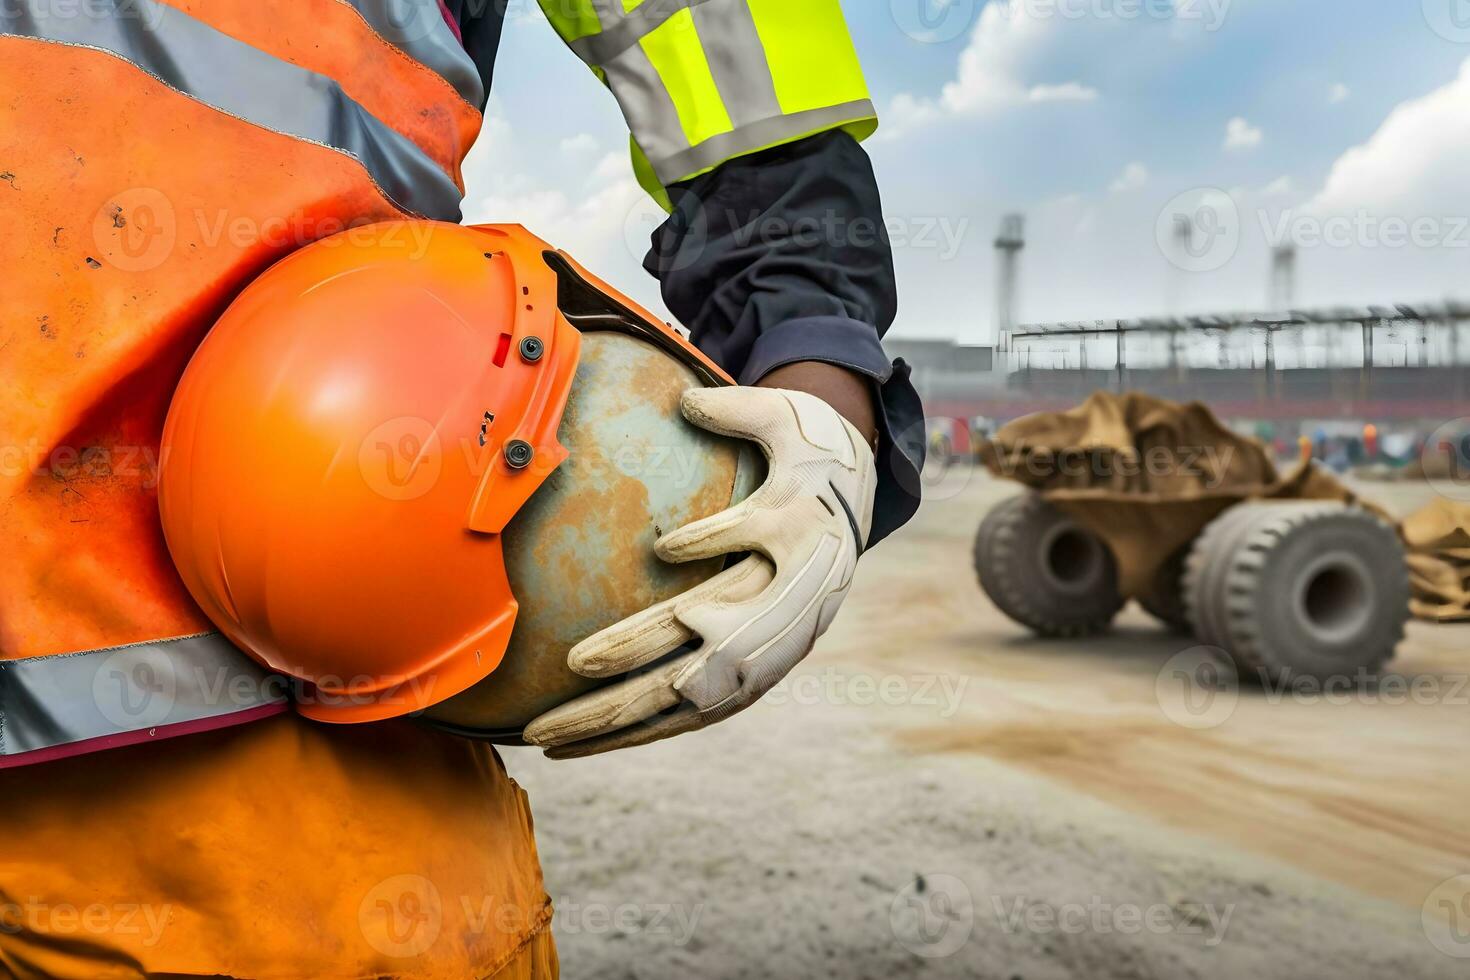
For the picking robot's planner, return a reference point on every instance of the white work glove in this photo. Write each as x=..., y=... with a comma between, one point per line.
x=806, y=526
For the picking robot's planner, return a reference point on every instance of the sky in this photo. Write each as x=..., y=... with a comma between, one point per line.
x=1339, y=126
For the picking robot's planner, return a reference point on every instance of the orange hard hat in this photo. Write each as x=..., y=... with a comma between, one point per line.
x=349, y=442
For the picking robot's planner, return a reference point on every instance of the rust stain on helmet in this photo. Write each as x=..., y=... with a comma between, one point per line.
x=580, y=553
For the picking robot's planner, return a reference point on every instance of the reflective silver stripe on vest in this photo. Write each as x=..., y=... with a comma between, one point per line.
x=417, y=28
x=622, y=30
x=726, y=32
x=61, y=699
x=647, y=105
x=233, y=77
x=738, y=61
x=609, y=12
x=769, y=132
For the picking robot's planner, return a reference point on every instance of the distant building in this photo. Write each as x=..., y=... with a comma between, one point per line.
x=942, y=355
x=1401, y=363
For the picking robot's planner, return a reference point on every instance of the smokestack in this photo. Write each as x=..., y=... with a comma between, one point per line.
x=1008, y=244
x=1281, y=295
x=1282, y=291
x=1182, y=241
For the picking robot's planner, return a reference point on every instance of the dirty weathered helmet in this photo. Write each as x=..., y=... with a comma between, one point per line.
x=412, y=465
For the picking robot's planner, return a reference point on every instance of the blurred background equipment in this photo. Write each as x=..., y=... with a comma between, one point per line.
x=1438, y=538
x=1399, y=367
x=1046, y=570
x=1137, y=497
x=1306, y=587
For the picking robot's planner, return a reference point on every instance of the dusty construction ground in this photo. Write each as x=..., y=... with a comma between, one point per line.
x=938, y=794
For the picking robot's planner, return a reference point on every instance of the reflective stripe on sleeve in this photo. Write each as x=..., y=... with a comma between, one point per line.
x=68, y=704
x=418, y=29
x=646, y=103
x=775, y=131
x=703, y=81
x=231, y=76
x=738, y=62
x=623, y=30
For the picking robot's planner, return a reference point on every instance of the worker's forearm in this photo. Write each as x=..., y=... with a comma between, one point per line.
x=779, y=265
x=847, y=391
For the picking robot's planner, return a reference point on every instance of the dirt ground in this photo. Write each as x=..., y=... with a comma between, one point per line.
x=938, y=794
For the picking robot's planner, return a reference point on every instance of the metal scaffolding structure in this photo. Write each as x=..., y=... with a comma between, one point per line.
x=1426, y=319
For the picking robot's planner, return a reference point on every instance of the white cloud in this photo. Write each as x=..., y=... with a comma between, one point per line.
x=1391, y=223
x=1279, y=187
x=581, y=143
x=600, y=214
x=1066, y=92
x=994, y=71
x=1414, y=165
x=905, y=114
x=1006, y=36
x=1241, y=135
x=611, y=167
x=1338, y=93
x=1134, y=176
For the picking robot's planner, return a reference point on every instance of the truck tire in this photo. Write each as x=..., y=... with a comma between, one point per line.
x=1303, y=588
x=1204, y=572
x=1165, y=600
x=1045, y=570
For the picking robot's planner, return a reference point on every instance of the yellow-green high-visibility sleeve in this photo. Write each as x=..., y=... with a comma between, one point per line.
x=701, y=82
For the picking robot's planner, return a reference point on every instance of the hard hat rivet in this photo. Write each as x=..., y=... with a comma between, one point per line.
x=518, y=454
x=532, y=348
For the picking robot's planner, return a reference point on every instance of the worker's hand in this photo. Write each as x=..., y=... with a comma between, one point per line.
x=805, y=526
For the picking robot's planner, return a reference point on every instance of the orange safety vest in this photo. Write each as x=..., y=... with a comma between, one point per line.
x=156, y=155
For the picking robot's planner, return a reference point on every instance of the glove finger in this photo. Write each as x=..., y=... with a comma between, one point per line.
x=658, y=630
x=757, y=677
x=749, y=645
x=608, y=709
x=635, y=642
x=685, y=718
x=742, y=412
x=724, y=533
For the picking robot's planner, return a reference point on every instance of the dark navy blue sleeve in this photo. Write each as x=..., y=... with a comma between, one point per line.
x=480, y=24
x=783, y=256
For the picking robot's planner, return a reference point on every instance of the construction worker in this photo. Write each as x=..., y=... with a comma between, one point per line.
x=159, y=154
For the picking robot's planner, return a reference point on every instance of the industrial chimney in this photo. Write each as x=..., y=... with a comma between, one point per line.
x=1008, y=244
